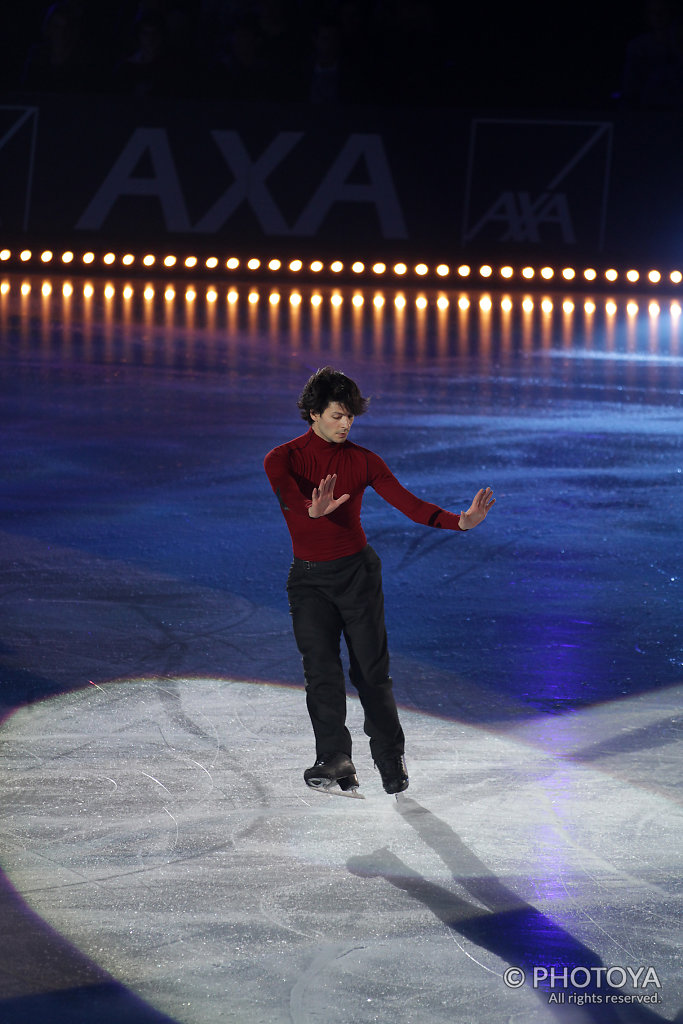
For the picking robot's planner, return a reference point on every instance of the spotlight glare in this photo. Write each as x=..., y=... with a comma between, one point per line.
x=506, y=304
x=486, y=270
x=654, y=276
x=128, y=293
x=611, y=274
x=506, y=272
x=253, y=297
x=528, y=305
x=67, y=289
x=274, y=264
x=316, y=266
x=295, y=299
x=528, y=273
x=149, y=293
x=653, y=309
x=109, y=291
x=676, y=277
x=357, y=300
x=316, y=299
x=589, y=306
x=4, y=288
x=233, y=263
x=675, y=309
x=485, y=304
x=274, y=298
x=610, y=308
x=632, y=308
x=569, y=273
x=547, y=306
x=421, y=302
x=211, y=263
x=421, y=269
x=170, y=261
x=25, y=255
x=232, y=296
x=336, y=300
x=632, y=276
x=190, y=294
x=295, y=265
x=443, y=270
x=379, y=268
x=89, y=291
x=463, y=302
x=378, y=301
x=46, y=289
x=5, y=254
x=191, y=261
x=336, y=267
x=400, y=268
x=568, y=306
x=211, y=295
x=547, y=273
x=128, y=259
x=148, y=260
x=109, y=258
x=358, y=267
x=46, y=256
x=442, y=302
x=26, y=288
x=464, y=270
x=253, y=263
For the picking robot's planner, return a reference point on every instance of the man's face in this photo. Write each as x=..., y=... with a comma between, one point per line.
x=333, y=424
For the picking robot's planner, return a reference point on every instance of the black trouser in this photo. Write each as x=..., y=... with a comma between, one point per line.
x=328, y=599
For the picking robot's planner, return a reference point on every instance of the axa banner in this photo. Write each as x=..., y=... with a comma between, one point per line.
x=428, y=183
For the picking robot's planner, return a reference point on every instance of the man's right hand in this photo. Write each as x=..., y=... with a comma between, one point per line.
x=323, y=500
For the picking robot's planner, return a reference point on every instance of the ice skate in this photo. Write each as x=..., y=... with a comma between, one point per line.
x=394, y=773
x=333, y=773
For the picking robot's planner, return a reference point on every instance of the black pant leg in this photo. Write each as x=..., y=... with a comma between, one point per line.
x=317, y=628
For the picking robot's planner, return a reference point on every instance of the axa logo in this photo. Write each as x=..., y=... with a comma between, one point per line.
x=538, y=182
x=146, y=167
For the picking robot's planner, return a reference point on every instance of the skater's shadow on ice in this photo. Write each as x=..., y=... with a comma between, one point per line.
x=500, y=921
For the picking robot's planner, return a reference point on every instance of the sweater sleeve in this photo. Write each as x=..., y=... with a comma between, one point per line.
x=279, y=472
x=383, y=481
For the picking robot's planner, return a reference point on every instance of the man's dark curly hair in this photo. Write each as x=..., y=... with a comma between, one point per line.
x=329, y=385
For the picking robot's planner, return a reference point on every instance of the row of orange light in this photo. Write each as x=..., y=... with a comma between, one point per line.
x=442, y=302
x=421, y=270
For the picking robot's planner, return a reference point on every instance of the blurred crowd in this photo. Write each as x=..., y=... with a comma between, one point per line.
x=387, y=52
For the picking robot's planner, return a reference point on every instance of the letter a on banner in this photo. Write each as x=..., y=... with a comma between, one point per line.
x=121, y=181
x=335, y=188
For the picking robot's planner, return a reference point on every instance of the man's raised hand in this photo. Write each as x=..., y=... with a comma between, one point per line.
x=478, y=510
x=323, y=500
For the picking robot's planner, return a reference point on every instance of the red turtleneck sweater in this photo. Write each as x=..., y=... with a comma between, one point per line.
x=298, y=466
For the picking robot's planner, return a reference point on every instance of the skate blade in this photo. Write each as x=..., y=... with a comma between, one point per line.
x=348, y=786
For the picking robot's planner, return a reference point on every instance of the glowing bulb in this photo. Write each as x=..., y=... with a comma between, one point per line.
x=211, y=262
x=464, y=270
x=191, y=261
x=4, y=288
x=89, y=291
x=590, y=274
x=149, y=293
x=569, y=273
x=46, y=289
x=232, y=297
x=547, y=306
x=233, y=263
x=128, y=293
x=253, y=297
x=632, y=308
x=421, y=302
x=109, y=292
x=253, y=263
x=400, y=269
x=610, y=308
x=506, y=304
x=336, y=267
x=675, y=309
x=67, y=289
x=485, y=304
x=442, y=302
x=379, y=268
x=5, y=254
x=295, y=265
x=295, y=299
x=109, y=258
x=190, y=295
x=358, y=267
x=400, y=301
x=46, y=256
x=357, y=300
x=528, y=273
x=568, y=306
x=463, y=302
x=653, y=309
x=443, y=270
x=378, y=301
x=316, y=299
x=611, y=275
x=211, y=295
x=589, y=307
x=676, y=277
x=336, y=300
x=274, y=264
x=632, y=276
x=25, y=255
x=148, y=260
x=528, y=305
x=170, y=261
x=274, y=298
x=26, y=288
x=506, y=272
x=421, y=269
x=654, y=276
x=486, y=270
x=547, y=273
x=128, y=259
x=316, y=266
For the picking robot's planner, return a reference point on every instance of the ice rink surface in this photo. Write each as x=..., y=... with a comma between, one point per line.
x=163, y=860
